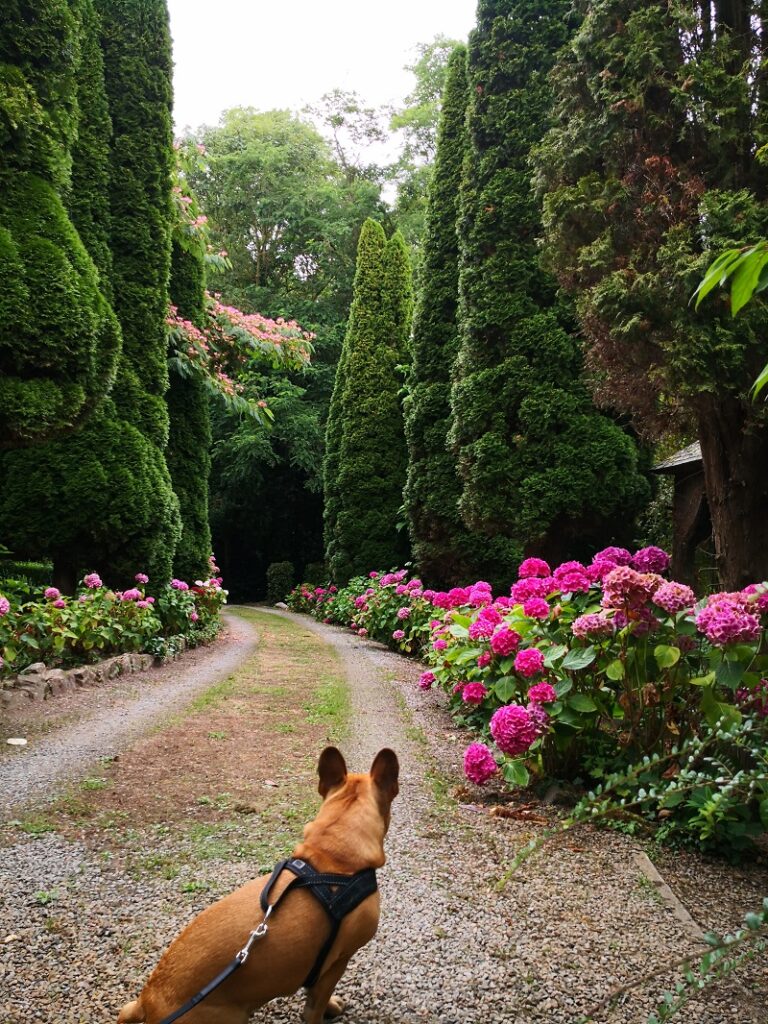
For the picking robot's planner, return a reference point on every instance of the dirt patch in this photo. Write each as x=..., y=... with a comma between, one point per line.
x=244, y=752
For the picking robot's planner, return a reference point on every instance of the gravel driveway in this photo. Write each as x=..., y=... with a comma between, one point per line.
x=574, y=923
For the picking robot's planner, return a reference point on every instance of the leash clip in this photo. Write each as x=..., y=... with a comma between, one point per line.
x=257, y=933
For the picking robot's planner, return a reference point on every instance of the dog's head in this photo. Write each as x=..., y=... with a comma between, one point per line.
x=354, y=817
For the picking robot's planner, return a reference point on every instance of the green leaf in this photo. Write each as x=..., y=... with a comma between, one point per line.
x=761, y=381
x=717, y=273
x=706, y=680
x=666, y=656
x=579, y=657
x=729, y=674
x=505, y=688
x=615, y=670
x=581, y=702
x=515, y=773
x=553, y=654
x=746, y=277
x=563, y=686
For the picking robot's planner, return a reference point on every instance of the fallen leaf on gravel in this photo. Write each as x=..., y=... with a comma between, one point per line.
x=518, y=813
x=16, y=741
x=11, y=938
x=270, y=782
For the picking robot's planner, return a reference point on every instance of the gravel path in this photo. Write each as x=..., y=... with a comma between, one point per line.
x=111, y=721
x=571, y=925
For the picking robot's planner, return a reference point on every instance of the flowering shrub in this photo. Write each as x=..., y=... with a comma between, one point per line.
x=581, y=669
x=97, y=622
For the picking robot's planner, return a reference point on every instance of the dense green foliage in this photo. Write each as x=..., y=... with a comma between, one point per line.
x=444, y=551
x=137, y=58
x=365, y=446
x=189, y=443
x=59, y=339
x=538, y=464
x=653, y=164
x=272, y=178
x=281, y=577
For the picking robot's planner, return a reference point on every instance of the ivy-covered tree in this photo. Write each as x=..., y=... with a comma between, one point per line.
x=445, y=552
x=654, y=165
x=59, y=339
x=538, y=464
x=366, y=454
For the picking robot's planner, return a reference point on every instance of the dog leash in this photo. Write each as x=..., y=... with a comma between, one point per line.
x=352, y=890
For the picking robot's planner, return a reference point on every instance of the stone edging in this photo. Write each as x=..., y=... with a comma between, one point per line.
x=38, y=682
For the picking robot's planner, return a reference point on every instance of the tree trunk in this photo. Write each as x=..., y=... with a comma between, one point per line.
x=735, y=453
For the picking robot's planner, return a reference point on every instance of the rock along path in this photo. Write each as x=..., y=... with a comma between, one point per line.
x=573, y=923
x=110, y=726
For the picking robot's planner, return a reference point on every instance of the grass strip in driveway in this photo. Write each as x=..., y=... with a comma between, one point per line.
x=232, y=778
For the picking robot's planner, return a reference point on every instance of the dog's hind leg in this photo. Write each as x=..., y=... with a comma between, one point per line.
x=132, y=1013
x=319, y=1004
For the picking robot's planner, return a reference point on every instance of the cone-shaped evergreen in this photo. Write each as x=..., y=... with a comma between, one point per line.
x=97, y=499
x=445, y=552
x=188, y=453
x=538, y=464
x=137, y=69
x=366, y=455
x=59, y=340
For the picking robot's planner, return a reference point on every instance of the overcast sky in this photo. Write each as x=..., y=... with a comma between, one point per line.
x=286, y=53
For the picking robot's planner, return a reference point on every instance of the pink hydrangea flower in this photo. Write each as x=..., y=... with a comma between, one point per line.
x=181, y=585
x=542, y=693
x=572, y=578
x=674, y=597
x=533, y=567
x=52, y=593
x=626, y=588
x=131, y=595
x=361, y=632
x=426, y=680
x=332, y=589
x=398, y=634
x=373, y=575
x=529, y=662
x=484, y=659
x=513, y=729
x=473, y=693
x=539, y=717
x=143, y=604
x=360, y=602
x=93, y=581
x=194, y=617
x=61, y=603
x=618, y=556
x=401, y=589
x=504, y=641
x=484, y=625
x=532, y=586
x=141, y=577
x=150, y=600
x=650, y=559
x=594, y=624
x=479, y=763
x=536, y=608
x=727, y=618
x=439, y=645
x=403, y=613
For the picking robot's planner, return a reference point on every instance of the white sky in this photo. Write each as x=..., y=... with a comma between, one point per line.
x=286, y=53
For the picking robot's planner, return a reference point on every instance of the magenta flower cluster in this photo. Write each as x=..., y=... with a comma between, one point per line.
x=729, y=618
x=479, y=763
x=513, y=729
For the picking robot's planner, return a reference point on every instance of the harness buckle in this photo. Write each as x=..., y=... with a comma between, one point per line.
x=258, y=933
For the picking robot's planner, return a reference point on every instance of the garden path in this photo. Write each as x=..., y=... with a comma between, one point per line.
x=105, y=723
x=574, y=923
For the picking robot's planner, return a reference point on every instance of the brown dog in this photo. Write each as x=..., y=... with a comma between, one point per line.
x=347, y=836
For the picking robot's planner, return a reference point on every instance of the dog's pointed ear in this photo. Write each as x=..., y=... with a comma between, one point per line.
x=385, y=771
x=332, y=770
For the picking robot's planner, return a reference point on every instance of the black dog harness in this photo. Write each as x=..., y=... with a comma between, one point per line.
x=338, y=894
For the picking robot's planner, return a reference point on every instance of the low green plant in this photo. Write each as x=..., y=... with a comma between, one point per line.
x=281, y=577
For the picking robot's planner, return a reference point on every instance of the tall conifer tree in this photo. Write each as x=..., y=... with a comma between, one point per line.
x=366, y=456
x=59, y=339
x=539, y=465
x=445, y=552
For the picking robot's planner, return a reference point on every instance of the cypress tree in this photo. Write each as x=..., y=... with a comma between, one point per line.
x=445, y=552
x=136, y=43
x=188, y=454
x=651, y=168
x=59, y=339
x=98, y=498
x=538, y=464
x=366, y=456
